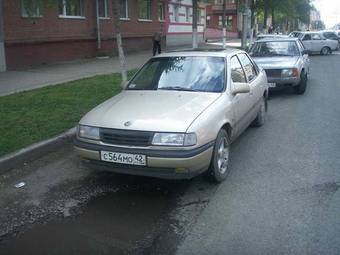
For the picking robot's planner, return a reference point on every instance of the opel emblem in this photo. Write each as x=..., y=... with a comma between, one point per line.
x=128, y=123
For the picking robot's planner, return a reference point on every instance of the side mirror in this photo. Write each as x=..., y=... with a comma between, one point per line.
x=240, y=87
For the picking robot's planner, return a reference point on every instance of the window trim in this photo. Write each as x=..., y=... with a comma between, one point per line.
x=106, y=10
x=248, y=81
x=244, y=73
x=40, y=15
x=126, y=11
x=149, y=16
x=161, y=3
x=65, y=16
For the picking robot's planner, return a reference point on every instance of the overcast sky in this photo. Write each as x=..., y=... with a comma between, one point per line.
x=330, y=11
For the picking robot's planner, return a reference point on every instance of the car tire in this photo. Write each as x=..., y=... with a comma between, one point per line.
x=261, y=115
x=219, y=166
x=325, y=51
x=301, y=88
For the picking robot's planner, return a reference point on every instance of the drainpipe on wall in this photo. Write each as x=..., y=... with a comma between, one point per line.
x=2, y=40
x=99, y=43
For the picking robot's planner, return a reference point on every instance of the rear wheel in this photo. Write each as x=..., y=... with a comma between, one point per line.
x=218, y=170
x=325, y=51
x=301, y=88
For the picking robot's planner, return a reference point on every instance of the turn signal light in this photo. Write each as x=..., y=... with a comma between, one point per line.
x=295, y=72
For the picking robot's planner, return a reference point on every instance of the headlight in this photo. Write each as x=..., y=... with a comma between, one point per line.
x=174, y=139
x=291, y=72
x=88, y=132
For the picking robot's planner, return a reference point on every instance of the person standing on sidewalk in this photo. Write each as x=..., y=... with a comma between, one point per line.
x=156, y=41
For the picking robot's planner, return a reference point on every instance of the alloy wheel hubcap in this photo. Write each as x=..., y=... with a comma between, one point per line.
x=223, y=156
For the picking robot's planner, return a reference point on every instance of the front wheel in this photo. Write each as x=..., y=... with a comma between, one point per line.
x=301, y=88
x=218, y=170
x=325, y=51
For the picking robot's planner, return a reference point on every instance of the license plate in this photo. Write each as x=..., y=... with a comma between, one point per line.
x=123, y=158
x=271, y=85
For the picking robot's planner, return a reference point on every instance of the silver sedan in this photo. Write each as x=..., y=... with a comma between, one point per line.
x=177, y=116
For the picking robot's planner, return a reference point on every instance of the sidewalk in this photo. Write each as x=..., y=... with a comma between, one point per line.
x=16, y=81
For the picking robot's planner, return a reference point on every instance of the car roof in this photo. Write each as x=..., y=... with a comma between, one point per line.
x=279, y=39
x=201, y=52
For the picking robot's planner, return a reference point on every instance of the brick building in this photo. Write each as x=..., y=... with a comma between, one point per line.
x=36, y=33
x=214, y=13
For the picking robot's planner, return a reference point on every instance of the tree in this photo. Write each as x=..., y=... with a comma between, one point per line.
x=116, y=21
x=194, y=24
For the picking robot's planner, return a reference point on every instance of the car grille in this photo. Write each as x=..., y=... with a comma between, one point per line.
x=126, y=137
x=273, y=72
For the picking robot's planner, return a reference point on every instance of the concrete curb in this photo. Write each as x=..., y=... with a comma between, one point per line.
x=34, y=151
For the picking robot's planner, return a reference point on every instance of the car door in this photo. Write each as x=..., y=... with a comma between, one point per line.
x=317, y=43
x=256, y=91
x=305, y=57
x=241, y=103
x=307, y=42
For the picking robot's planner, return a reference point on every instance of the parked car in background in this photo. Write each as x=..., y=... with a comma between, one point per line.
x=316, y=43
x=331, y=35
x=285, y=61
x=295, y=34
x=269, y=36
x=177, y=116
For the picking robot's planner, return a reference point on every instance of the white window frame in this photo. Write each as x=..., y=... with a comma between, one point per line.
x=24, y=13
x=126, y=11
x=65, y=16
x=176, y=13
x=162, y=13
x=149, y=19
x=106, y=10
x=187, y=14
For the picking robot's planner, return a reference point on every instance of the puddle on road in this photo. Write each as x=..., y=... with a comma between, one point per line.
x=115, y=223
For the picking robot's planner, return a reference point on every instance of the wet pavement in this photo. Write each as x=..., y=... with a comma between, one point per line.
x=282, y=195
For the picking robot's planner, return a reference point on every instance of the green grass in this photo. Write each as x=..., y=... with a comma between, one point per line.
x=36, y=115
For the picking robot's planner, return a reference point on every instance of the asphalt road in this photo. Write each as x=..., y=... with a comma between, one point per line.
x=282, y=195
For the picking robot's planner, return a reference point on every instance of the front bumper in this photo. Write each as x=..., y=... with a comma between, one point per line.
x=280, y=81
x=168, y=164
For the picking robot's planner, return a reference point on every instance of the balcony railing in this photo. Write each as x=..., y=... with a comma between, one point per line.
x=219, y=7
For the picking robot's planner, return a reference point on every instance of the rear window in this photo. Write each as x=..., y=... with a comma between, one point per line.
x=275, y=48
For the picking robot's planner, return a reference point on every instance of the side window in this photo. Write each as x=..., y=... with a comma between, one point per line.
x=248, y=66
x=316, y=37
x=237, y=73
x=307, y=37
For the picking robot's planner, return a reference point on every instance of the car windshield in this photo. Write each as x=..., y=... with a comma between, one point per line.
x=272, y=49
x=201, y=74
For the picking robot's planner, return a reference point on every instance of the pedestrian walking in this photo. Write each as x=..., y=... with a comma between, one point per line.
x=156, y=41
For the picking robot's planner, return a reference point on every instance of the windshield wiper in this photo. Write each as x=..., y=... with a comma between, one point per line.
x=178, y=88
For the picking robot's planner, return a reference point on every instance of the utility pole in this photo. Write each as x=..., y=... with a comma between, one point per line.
x=224, y=30
x=245, y=24
x=2, y=39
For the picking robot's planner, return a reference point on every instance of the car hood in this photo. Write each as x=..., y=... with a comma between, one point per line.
x=166, y=111
x=276, y=62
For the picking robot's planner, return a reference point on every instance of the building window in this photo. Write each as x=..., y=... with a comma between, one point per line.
x=124, y=10
x=199, y=16
x=176, y=16
x=144, y=9
x=71, y=8
x=161, y=9
x=31, y=8
x=103, y=13
x=187, y=14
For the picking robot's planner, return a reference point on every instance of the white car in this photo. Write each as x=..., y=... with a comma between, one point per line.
x=177, y=116
x=314, y=42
